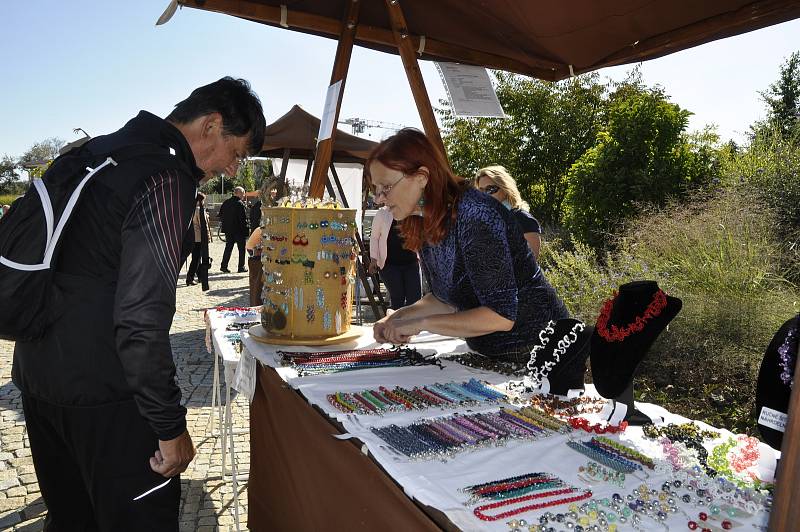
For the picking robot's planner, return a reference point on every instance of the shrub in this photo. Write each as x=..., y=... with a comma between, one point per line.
x=7, y=199
x=769, y=170
x=721, y=257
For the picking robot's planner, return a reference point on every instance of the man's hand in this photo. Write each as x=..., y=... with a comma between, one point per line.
x=173, y=456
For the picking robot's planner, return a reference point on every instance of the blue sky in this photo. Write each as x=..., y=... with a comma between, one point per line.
x=94, y=64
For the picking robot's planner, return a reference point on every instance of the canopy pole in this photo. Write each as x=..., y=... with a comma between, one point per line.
x=282, y=176
x=406, y=48
x=785, y=512
x=308, y=172
x=341, y=65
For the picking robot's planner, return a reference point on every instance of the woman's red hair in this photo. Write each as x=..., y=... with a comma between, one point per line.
x=406, y=151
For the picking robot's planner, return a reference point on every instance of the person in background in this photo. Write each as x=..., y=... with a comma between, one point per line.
x=107, y=426
x=255, y=215
x=233, y=215
x=498, y=183
x=485, y=285
x=399, y=266
x=200, y=264
x=254, y=246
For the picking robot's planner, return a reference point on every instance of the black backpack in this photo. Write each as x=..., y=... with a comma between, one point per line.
x=31, y=231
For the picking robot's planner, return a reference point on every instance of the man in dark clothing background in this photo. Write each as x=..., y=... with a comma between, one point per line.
x=233, y=215
x=103, y=411
x=255, y=215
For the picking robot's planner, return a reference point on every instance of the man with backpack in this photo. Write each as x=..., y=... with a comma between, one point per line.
x=233, y=215
x=106, y=425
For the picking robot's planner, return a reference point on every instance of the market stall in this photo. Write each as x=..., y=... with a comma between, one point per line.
x=314, y=465
x=552, y=42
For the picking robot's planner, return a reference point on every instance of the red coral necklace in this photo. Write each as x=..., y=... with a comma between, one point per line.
x=618, y=334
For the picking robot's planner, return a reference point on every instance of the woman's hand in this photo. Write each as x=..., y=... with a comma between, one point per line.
x=399, y=331
x=378, y=330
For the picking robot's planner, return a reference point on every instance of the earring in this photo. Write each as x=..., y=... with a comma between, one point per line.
x=421, y=201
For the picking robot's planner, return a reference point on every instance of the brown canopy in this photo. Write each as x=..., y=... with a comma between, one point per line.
x=536, y=38
x=297, y=130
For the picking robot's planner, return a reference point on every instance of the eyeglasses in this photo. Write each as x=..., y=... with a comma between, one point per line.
x=385, y=189
x=489, y=189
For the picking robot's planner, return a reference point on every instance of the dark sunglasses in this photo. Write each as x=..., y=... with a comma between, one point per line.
x=489, y=189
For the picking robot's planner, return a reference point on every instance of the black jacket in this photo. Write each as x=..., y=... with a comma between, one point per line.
x=115, y=284
x=255, y=216
x=233, y=214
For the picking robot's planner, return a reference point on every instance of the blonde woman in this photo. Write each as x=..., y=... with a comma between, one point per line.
x=498, y=183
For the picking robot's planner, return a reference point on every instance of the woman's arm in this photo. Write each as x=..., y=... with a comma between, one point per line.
x=429, y=305
x=534, y=242
x=467, y=323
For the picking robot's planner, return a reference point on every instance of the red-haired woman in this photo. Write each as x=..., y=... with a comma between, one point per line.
x=486, y=284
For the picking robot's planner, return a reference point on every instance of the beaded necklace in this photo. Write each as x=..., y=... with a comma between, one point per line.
x=739, y=461
x=690, y=435
x=539, y=371
x=325, y=362
x=618, y=334
x=625, y=451
x=479, y=511
x=787, y=352
x=598, y=428
x=605, y=457
x=553, y=405
x=593, y=472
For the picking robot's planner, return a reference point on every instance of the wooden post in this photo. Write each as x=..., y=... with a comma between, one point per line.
x=415, y=81
x=282, y=176
x=340, y=67
x=785, y=513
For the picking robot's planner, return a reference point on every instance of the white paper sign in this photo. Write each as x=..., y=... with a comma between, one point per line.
x=772, y=419
x=470, y=90
x=245, y=379
x=329, y=113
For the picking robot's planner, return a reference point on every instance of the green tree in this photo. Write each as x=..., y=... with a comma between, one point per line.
x=549, y=126
x=10, y=177
x=41, y=153
x=783, y=101
x=642, y=157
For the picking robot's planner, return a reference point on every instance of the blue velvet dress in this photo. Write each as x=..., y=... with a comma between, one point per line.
x=484, y=260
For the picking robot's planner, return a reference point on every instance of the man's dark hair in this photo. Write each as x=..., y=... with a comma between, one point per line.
x=233, y=99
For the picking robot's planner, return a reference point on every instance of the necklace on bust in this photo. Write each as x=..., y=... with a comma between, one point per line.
x=618, y=334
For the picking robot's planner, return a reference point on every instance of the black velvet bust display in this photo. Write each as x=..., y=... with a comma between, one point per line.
x=614, y=363
x=771, y=392
x=567, y=374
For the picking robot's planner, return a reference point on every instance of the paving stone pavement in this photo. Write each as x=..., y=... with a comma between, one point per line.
x=206, y=500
